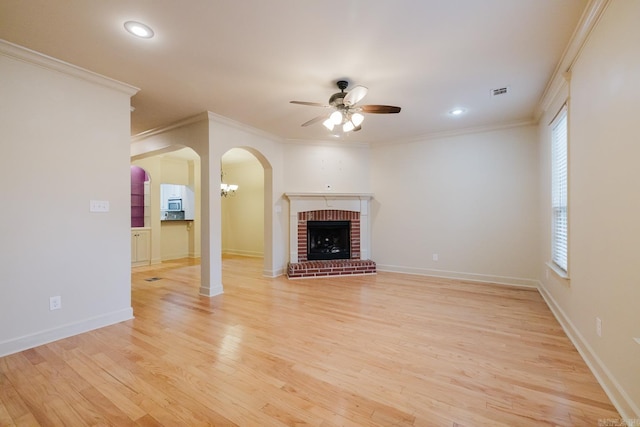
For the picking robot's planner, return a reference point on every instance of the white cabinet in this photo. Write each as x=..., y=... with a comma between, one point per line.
x=177, y=191
x=169, y=191
x=140, y=246
x=188, y=203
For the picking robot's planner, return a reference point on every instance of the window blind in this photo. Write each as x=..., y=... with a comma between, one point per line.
x=559, y=190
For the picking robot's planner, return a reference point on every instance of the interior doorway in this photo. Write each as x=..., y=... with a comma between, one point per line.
x=243, y=219
x=174, y=231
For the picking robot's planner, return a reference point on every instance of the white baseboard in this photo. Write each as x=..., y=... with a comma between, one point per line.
x=483, y=278
x=172, y=257
x=211, y=292
x=273, y=273
x=49, y=335
x=620, y=399
x=240, y=252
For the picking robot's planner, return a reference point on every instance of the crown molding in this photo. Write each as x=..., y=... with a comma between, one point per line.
x=458, y=132
x=205, y=116
x=213, y=117
x=36, y=58
x=327, y=143
x=180, y=123
x=561, y=75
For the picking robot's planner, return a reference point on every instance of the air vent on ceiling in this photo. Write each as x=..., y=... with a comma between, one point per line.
x=500, y=91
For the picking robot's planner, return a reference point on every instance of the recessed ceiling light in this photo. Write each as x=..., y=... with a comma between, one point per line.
x=139, y=29
x=457, y=111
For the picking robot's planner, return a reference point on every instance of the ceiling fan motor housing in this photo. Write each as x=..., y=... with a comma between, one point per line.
x=342, y=84
x=338, y=98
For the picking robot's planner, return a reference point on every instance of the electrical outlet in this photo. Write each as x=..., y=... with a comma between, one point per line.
x=435, y=257
x=599, y=326
x=55, y=303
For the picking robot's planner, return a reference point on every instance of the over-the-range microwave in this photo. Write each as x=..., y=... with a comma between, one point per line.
x=174, y=205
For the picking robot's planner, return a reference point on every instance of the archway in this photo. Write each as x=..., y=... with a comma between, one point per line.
x=173, y=236
x=210, y=136
x=242, y=218
x=245, y=214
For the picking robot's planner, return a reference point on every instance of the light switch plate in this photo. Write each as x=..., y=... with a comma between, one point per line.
x=98, y=206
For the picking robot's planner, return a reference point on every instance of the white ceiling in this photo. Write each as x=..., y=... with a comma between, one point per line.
x=246, y=60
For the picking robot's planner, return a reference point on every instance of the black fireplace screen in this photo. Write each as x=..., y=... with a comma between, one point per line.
x=328, y=240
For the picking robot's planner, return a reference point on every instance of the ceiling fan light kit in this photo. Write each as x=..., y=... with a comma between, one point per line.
x=348, y=127
x=336, y=117
x=357, y=119
x=329, y=124
x=345, y=112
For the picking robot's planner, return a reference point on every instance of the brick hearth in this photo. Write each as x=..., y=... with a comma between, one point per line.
x=340, y=267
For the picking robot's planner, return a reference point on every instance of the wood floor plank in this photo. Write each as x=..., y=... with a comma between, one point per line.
x=107, y=386
x=12, y=407
x=377, y=350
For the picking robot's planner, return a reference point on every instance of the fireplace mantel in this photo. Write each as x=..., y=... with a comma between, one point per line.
x=358, y=196
x=304, y=202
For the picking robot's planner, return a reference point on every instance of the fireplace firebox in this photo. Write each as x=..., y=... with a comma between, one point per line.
x=328, y=240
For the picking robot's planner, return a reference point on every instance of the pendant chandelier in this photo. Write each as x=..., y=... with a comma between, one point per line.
x=227, y=190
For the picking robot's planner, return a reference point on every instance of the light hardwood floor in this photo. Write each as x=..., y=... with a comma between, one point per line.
x=383, y=350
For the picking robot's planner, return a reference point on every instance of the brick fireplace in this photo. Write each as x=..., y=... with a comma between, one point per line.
x=326, y=208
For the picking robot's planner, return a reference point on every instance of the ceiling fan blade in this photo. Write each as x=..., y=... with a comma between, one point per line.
x=315, y=120
x=313, y=104
x=355, y=95
x=379, y=109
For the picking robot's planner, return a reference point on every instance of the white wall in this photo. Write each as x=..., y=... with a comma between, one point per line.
x=64, y=136
x=604, y=205
x=313, y=167
x=472, y=199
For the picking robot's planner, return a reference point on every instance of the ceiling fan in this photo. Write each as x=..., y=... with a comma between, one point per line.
x=345, y=111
